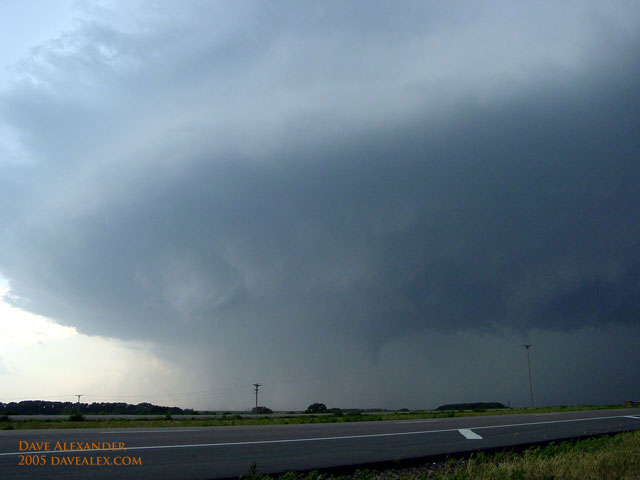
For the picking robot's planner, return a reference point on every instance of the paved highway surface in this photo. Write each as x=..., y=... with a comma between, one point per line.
x=222, y=452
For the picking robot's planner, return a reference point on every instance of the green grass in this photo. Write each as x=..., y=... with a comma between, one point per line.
x=615, y=457
x=271, y=420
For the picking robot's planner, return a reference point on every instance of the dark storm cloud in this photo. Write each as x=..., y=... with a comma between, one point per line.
x=492, y=219
x=296, y=183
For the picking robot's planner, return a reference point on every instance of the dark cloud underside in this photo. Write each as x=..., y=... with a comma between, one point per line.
x=492, y=218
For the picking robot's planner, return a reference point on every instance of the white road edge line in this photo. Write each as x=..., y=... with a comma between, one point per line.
x=469, y=434
x=631, y=416
x=417, y=421
x=318, y=439
x=148, y=431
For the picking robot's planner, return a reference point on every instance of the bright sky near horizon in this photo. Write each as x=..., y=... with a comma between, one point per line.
x=361, y=207
x=42, y=360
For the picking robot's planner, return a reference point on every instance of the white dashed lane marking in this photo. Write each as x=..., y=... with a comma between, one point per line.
x=469, y=434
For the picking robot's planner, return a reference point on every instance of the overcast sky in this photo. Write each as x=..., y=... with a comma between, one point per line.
x=365, y=206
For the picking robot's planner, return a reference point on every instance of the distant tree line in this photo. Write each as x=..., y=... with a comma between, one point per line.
x=261, y=410
x=471, y=406
x=322, y=408
x=42, y=407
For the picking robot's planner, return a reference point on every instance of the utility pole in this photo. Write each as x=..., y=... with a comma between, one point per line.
x=257, y=386
x=529, y=365
x=78, y=403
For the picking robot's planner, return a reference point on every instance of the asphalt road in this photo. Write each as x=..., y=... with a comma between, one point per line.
x=222, y=452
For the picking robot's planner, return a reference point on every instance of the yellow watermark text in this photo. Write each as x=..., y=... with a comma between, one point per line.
x=25, y=446
x=49, y=454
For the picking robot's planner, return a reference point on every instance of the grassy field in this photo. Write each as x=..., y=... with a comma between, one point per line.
x=228, y=420
x=607, y=457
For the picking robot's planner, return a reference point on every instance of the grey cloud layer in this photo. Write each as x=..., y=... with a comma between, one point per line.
x=357, y=181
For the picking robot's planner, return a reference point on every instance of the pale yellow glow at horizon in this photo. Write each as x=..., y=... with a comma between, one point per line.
x=41, y=360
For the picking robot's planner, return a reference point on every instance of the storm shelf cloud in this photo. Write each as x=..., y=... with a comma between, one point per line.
x=338, y=199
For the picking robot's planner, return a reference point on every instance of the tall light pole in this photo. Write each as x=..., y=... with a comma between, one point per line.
x=78, y=403
x=257, y=386
x=529, y=365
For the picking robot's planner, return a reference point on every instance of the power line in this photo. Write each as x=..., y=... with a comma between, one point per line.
x=217, y=391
